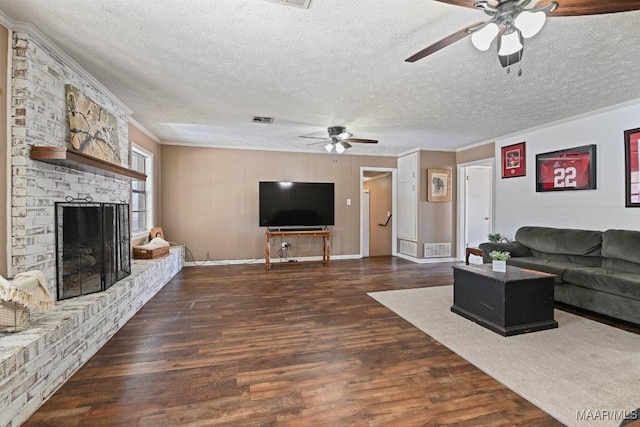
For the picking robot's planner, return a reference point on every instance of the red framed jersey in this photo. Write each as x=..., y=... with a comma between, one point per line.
x=571, y=169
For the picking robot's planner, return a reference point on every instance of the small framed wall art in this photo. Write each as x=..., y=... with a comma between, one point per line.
x=570, y=169
x=514, y=160
x=439, y=185
x=632, y=168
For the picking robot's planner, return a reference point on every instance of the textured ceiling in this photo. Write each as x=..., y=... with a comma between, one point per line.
x=195, y=72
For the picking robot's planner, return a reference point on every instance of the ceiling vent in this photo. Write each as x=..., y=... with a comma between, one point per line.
x=259, y=119
x=304, y=4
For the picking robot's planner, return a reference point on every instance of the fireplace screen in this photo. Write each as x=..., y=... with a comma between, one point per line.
x=92, y=247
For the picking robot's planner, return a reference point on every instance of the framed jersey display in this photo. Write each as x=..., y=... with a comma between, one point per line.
x=632, y=167
x=570, y=169
x=513, y=160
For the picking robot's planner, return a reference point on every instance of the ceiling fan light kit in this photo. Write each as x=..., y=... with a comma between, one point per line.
x=510, y=43
x=514, y=20
x=339, y=139
x=483, y=37
x=510, y=23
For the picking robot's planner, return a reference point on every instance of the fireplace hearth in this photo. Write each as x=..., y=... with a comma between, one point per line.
x=92, y=247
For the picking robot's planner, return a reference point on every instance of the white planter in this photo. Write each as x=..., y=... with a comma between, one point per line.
x=499, y=265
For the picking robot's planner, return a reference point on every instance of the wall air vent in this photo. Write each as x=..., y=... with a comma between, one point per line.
x=260, y=119
x=304, y=4
x=409, y=248
x=437, y=250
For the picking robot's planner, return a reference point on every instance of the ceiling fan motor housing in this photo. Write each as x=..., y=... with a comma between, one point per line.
x=336, y=130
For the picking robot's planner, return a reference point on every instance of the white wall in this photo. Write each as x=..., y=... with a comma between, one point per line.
x=518, y=204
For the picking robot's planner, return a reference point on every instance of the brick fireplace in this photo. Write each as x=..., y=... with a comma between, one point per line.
x=38, y=360
x=92, y=247
x=39, y=118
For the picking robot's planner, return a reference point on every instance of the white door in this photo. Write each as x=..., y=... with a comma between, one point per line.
x=478, y=205
x=365, y=224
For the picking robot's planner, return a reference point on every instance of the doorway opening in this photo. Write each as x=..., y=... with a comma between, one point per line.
x=475, y=205
x=378, y=233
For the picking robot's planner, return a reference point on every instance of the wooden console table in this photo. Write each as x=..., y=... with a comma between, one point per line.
x=471, y=251
x=326, y=243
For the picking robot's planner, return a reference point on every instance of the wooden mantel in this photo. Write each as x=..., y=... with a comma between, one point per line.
x=77, y=160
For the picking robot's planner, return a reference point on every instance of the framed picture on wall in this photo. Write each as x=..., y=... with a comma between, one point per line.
x=632, y=167
x=438, y=185
x=570, y=169
x=514, y=160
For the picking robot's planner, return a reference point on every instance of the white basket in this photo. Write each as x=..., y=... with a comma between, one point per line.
x=14, y=316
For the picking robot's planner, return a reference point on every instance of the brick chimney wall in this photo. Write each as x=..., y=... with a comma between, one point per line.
x=39, y=117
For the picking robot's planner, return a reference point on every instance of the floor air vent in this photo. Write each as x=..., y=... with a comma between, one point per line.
x=409, y=248
x=437, y=250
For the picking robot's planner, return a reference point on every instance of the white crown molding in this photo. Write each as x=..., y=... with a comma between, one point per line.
x=5, y=21
x=55, y=50
x=563, y=121
x=476, y=145
x=227, y=147
x=144, y=130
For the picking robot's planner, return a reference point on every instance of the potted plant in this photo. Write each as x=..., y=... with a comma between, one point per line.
x=500, y=260
x=495, y=237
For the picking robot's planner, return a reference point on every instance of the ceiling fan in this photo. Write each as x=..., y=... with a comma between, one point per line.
x=513, y=20
x=339, y=139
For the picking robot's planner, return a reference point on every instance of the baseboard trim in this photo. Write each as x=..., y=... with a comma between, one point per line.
x=209, y=263
x=425, y=260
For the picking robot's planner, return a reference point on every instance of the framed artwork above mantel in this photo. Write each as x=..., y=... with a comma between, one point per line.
x=632, y=168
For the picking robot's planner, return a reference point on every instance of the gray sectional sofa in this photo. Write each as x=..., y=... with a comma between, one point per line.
x=595, y=270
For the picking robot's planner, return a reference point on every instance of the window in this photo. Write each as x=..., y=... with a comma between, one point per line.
x=141, y=191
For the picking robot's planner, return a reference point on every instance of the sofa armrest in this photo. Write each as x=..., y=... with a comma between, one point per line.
x=514, y=248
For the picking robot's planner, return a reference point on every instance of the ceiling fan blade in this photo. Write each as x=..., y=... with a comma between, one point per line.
x=363, y=141
x=591, y=7
x=318, y=142
x=463, y=3
x=450, y=39
x=313, y=137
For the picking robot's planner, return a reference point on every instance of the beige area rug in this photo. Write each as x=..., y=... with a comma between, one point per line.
x=580, y=373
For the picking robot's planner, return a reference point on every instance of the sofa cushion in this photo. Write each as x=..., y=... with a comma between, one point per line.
x=561, y=240
x=621, y=250
x=516, y=249
x=605, y=280
x=541, y=264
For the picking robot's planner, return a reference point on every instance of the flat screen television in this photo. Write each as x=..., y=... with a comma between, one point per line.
x=296, y=204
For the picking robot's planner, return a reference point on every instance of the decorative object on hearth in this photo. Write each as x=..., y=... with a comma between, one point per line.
x=500, y=260
x=570, y=169
x=514, y=20
x=438, y=185
x=339, y=139
x=514, y=162
x=632, y=168
x=156, y=248
x=27, y=290
x=94, y=131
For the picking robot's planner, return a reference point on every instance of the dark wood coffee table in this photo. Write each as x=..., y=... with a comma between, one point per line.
x=511, y=303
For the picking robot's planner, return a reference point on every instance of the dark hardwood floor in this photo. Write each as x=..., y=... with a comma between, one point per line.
x=300, y=345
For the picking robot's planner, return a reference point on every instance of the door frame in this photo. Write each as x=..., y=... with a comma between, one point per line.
x=462, y=196
x=394, y=186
